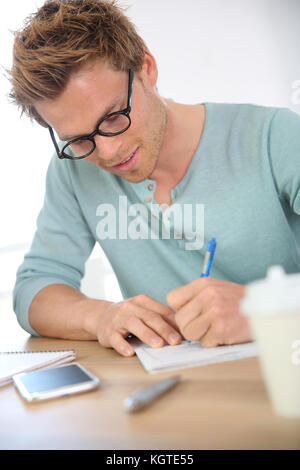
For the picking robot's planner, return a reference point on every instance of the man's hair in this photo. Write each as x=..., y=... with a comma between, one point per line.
x=62, y=36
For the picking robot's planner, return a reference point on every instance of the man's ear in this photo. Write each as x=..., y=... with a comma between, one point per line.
x=149, y=71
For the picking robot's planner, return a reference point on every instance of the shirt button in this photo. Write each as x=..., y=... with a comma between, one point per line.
x=150, y=187
x=147, y=199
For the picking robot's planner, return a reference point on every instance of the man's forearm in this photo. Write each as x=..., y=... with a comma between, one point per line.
x=61, y=311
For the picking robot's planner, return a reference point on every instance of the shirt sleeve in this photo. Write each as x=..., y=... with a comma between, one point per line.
x=61, y=245
x=284, y=151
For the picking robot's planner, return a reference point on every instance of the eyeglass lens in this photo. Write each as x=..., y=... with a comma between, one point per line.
x=111, y=125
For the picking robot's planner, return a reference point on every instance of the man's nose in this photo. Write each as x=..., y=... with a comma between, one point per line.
x=108, y=148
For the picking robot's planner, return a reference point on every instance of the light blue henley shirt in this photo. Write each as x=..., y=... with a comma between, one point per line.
x=245, y=175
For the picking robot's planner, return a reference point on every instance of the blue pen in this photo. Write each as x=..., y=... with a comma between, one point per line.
x=209, y=256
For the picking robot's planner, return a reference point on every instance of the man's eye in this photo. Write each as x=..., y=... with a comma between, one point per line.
x=81, y=142
x=113, y=119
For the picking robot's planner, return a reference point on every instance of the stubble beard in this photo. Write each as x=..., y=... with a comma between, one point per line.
x=150, y=148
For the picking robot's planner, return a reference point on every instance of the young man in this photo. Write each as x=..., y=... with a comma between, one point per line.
x=127, y=158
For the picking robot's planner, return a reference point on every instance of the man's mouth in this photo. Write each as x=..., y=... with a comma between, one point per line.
x=128, y=162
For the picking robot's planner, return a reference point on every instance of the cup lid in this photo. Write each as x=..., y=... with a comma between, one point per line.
x=278, y=293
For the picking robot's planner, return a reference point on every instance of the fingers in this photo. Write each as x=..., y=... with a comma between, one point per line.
x=121, y=345
x=192, y=324
x=147, y=319
x=209, y=312
x=153, y=305
x=178, y=297
x=147, y=325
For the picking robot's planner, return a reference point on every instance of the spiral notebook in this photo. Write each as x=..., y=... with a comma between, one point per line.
x=189, y=354
x=16, y=362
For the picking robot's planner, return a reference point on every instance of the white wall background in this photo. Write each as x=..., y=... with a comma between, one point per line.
x=216, y=50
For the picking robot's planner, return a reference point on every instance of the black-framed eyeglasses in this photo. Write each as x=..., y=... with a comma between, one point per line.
x=109, y=126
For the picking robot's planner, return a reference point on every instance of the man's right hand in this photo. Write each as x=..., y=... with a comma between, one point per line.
x=149, y=320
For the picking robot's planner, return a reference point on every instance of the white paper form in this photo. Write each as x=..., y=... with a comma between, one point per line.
x=189, y=354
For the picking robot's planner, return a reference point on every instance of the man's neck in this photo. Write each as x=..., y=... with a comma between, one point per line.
x=184, y=129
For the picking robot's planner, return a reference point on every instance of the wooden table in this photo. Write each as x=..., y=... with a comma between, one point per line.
x=221, y=406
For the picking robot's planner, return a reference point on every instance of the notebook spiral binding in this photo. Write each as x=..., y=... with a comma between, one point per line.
x=45, y=351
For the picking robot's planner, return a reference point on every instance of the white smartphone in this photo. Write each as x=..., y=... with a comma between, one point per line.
x=55, y=382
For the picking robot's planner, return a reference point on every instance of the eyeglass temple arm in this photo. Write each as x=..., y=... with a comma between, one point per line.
x=54, y=142
x=130, y=86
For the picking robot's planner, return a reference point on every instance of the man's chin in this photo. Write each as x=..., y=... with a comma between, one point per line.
x=133, y=178
x=136, y=176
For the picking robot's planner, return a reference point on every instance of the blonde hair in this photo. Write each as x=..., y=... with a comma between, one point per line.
x=62, y=36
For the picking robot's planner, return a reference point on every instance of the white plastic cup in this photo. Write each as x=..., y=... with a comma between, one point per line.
x=273, y=308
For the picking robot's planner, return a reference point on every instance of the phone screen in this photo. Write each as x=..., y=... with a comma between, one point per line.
x=49, y=379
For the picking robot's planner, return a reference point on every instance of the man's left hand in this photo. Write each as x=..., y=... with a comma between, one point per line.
x=208, y=311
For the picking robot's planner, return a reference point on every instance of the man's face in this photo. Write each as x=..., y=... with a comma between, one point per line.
x=96, y=90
